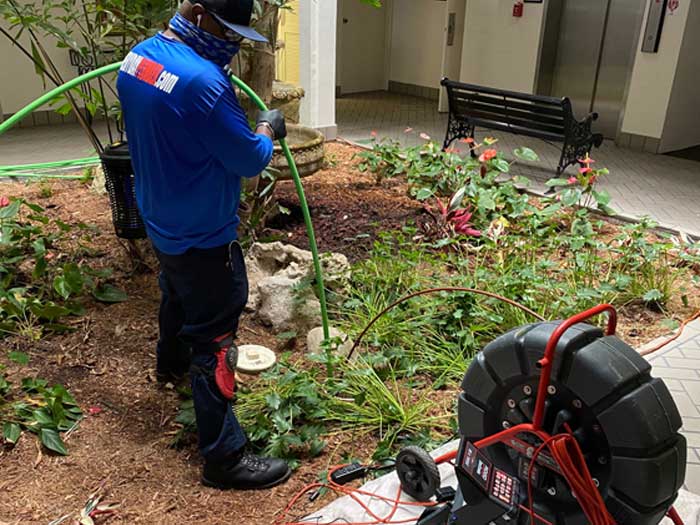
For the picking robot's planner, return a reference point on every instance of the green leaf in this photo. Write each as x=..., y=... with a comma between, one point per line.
x=486, y=201
x=110, y=294
x=652, y=296
x=501, y=165
x=49, y=311
x=526, y=154
x=570, y=197
x=10, y=211
x=74, y=278
x=42, y=417
x=18, y=357
x=61, y=287
x=557, y=182
x=273, y=400
x=424, y=193
x=53, y=441
x=602, y=197
x=11, y=432
x=316, y=447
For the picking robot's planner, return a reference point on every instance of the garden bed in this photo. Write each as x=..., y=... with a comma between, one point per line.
x=107, y=362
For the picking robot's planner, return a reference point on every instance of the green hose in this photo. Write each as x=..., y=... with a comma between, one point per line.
x=54, y=93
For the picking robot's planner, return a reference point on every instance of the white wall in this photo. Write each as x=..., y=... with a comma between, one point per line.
x=500, y=50
x=452, y=55
x=682, y=127
x=653, y=76
x=417, y=37
x=20, y=85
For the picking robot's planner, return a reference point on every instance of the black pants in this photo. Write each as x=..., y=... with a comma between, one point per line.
x=204, y=293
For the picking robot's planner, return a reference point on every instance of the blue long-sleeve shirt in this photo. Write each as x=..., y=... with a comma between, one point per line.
x=190, y=145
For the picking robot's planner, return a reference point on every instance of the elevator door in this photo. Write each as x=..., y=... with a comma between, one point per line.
x=595, y=55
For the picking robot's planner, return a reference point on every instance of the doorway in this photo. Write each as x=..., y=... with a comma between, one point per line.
x=361, y=56
x=588, y=55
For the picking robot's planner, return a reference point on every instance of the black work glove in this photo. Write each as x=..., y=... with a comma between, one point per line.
x=275, y=119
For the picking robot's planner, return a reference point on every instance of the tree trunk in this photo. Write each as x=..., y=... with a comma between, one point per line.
x=261, y=70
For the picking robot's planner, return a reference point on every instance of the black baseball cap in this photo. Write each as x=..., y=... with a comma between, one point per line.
x=233, y=14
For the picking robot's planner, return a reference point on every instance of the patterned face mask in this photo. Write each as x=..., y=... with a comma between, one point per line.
x=204, y=43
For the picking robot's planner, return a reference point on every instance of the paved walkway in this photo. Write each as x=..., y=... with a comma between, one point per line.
x=663, y=187
x=679, y=366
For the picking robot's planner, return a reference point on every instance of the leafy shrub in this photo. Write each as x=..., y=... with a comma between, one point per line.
x=39, y=284
x=37, y=408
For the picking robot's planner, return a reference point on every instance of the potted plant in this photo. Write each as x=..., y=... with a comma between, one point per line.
x=95, y=33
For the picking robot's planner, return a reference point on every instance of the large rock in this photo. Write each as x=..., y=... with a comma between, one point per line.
x=279, y=294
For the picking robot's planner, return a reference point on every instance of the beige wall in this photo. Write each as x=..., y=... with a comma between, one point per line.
x=417, y=37
x=20, y=84
x=653, y=77
x=499, y=50
x=682, y=127
x=288, y=56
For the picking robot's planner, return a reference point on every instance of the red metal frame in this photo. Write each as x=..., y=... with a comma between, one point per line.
x=508, y=436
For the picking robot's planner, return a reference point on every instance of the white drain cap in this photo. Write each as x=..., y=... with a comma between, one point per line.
x=253, y=359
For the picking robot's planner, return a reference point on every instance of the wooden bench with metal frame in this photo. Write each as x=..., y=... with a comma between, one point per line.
x=547, y=118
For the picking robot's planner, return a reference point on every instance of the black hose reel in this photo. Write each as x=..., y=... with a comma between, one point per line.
x=601, y=392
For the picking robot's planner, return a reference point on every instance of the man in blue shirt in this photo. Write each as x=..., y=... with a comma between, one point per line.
x=191, y=146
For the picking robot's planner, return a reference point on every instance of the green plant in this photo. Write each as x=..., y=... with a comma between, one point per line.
x=581, y=190
x=37, y=408
x=38, y=284
x=96, y=33
x=385, y=159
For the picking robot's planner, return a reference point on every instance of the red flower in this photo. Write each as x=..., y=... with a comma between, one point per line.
x=593, y=179
x=468, y=140
x=488, y=155
x=587, y=161
x=373, y=134
x=573, y=180
x=94, y=410
x=585, y=170
x=4, y=201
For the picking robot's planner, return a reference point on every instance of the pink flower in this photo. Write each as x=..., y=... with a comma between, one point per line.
x=488, y=155
x=573, y=180
x=587, y=161
x=373, y=134
x=408, y=130
x=94, y=410
x=584, y=171
x=425, y=136
x=4, y=201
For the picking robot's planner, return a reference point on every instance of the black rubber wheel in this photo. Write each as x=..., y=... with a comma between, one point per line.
x=624, y=419
x=418, y=473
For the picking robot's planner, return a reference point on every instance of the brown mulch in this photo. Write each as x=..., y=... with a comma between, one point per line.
x=108, y=361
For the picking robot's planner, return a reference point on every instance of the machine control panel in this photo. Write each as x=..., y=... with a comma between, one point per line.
x=497, y=484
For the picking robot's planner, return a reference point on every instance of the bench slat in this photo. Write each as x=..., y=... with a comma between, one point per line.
x=552, y=101
x=518, y=130
x=525, y=106
x=467, y=106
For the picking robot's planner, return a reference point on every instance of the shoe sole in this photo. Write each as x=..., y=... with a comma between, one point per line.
x=222, y=486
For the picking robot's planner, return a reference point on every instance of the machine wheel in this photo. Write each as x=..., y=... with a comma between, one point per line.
x=625, y=421
x=418, y=473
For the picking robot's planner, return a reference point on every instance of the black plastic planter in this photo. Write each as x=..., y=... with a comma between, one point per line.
x=119, y=181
